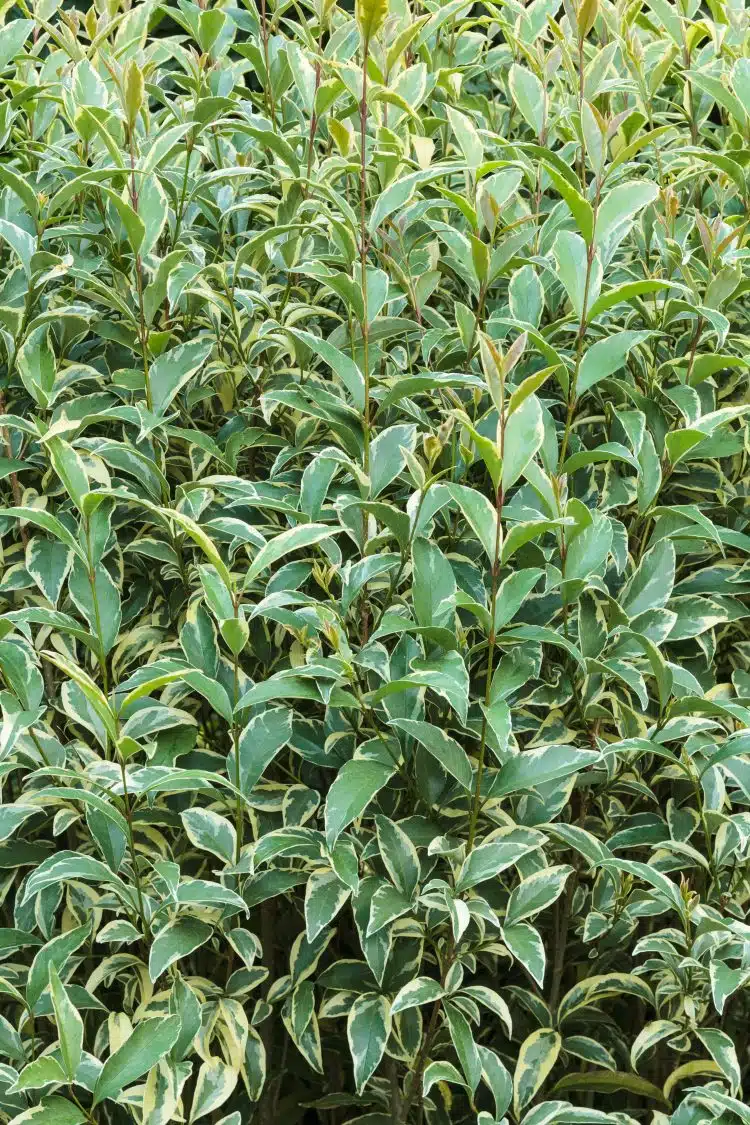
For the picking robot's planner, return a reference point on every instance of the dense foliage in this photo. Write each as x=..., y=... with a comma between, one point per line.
x=375, y=737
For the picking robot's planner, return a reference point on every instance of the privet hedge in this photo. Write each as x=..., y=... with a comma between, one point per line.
x=375, y=736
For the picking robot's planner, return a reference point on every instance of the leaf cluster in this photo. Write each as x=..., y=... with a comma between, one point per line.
x=374, y=665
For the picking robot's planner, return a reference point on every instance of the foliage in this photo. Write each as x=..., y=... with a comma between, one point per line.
x=375, y=673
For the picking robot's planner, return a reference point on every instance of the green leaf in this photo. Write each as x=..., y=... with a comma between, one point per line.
x=536, y=892
x=344, y=367
x=488, y=859
x=609, y=451
x=628, y=291
x=198, y=535
x=526, y=945
x=178, y=939
x=13, y=816
x=420, y=990
x=386, y=456
x=479, y=514
x=260, y=742
x=54, y=955
x=468, y=138
x=440, y=746
x=161, y=1092
x=587, y=553
x=652, y=583
x=13, y=35
x=48, y=562
x=174, y=369
x=69, y=467
x=47, y=523
x=620, y=205
x=649, y=1036
x=536, y=1057
x=526, y=297
x=530, y=384
x=722, y=1050
x=295, y=539
x=52, y=1111
x=370, y=16
x=399, y=193
x=255, y=1070
x=535, y=767
x=210, y=832
x=214, y=1085
x=434, y=588
x=463, y=1042
x=607, y=1082
x=39, y=1073
x=388, y=904
x=594, y=989
x=149, y=1042
x=669, y=18
x=580, y=208
x=528, y=95
x=69, y=1025
x=18, y=239
x=512, y=594
x=571, y=257
x=605, y=357
x=133, y=225
x=36, y=364
x=718, y=92
x=355, y=785
x=680, y=443
x=367, y=1030
x=524, y=434
x=398, y=854
x=99, y=602
x=324, y=897
x=440, y=1072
